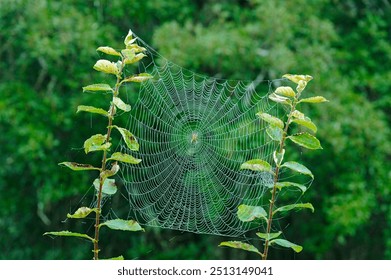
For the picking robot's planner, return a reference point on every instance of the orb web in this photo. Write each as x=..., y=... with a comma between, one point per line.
x=194, y=133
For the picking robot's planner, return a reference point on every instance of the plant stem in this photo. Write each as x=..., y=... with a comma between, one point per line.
x=103, y=168
x=275, y=181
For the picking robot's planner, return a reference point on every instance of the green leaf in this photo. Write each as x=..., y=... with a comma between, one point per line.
x=135, y=48
x=298, y=167
x=285, y=91
x=98, y=87
x=257, y=165
x=269, y=236
x=138, y=78
x=129, y=38
x=306, y=123
x=69, y=233
x=287, y=244
x=129, y=138
x=119, y=258
x=314, y=99
x=108, y=188
x=241, y=246
x=300, y=87
x=275, y=133
x=281, y=185
x=306, y=140
x=294, y=206
x=82, y=212
x=298, y=115
x=105, y=66
x=135, y=59
x=280, y=99
x=111, y=172
x=91, y=109
x=124, y=158
x=129, y=55
x=247, y=213
x=278, y=157
x=297, y=78
x=119, y=224
x=271, y=119
x=94, y=143
x=108, y=50
x=121, y=105
x=78, y=166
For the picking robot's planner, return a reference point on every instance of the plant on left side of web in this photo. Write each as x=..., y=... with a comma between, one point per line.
x=104, y=184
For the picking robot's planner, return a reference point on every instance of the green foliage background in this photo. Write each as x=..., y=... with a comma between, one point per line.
x=46, y=56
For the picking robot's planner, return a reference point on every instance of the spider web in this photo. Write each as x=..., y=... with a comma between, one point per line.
x=194, y=133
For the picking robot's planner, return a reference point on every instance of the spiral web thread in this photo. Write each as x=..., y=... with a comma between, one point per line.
x=194, y=133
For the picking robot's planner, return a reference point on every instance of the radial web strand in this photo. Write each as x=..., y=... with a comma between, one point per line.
x=194, y=133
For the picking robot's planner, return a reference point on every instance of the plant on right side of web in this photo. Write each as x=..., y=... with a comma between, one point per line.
x=279, y=130
x=104, y=184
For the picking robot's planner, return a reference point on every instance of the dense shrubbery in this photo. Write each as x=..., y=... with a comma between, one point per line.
x=46, y=58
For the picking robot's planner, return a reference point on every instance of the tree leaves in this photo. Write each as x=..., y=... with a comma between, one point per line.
x=314, y=99
x=306, y=122
x=121, y=105
x=98, y=87
x=294, y=206
x=78, y=166
x=108, y=50
x=269, y=236
x=82, y=212
x=124, y=158
x=271, y=119
x=306, y=140
x=275, y=133
x=285, y=91
x=106, y=66
x=130, y=140
x=92, y=109
x=281, y=185
x=240, y=245
x=287, y=244
x=257, y=165
x=95, y=143
x=298, y=167
x=247, y=213
x=69, y=233
x=138, y=78
x=297, y=78
x=108, y=187
x=119, y=224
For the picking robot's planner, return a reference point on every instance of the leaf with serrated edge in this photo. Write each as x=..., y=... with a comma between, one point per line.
x=285, y=91
x=240, y=245
x=97, y=87
x=108, y=50
x=106, y=66
x=306, y=123
x=306, y=140
x=269, y=236
x=108, y=188
x=287, y=244
x=257, y=165
x=298, y=167
x=314, y=99
x=271, y=119
x=247, y=213
x=130, y=140
x=281, y=185
x=70, y=234
x=78, y=166
x=121, y=105
x=91, y=109
x=82, y=212
x=119, y=224
x=294, y=206
x=275, y=133
x=124, y=158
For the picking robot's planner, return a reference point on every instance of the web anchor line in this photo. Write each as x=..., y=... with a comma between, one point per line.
x=194, y=133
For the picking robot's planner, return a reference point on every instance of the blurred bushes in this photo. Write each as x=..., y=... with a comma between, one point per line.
x=46, y=55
